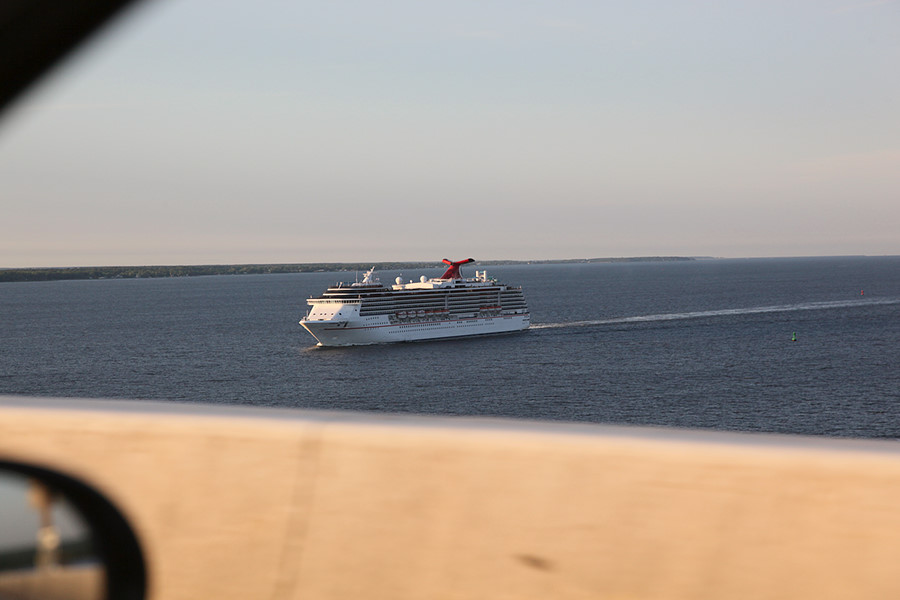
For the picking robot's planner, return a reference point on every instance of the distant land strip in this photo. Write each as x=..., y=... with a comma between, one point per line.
x=62, y=273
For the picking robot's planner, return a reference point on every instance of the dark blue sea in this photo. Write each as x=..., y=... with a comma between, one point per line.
x=701, y=344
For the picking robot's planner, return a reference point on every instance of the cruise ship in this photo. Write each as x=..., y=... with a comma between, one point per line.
x=367, y=312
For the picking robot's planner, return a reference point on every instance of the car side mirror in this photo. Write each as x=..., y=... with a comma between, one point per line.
x=60, y=539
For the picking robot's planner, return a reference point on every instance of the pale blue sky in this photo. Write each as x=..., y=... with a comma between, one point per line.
x=218, y=131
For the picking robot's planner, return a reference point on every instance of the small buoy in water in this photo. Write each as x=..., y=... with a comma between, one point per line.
x=794, y=337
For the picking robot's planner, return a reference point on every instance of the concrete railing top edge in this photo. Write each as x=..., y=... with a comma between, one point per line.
x=496, y=425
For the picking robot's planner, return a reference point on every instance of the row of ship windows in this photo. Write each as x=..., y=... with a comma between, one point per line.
x=452, y=307
x=431, y=300
x=441, y=324
x=421, y=293
x=423, y=305
x=451, y=312
x=434, y=294
x=478, y=303
x=428, y=303
x=421, y=296
x=440, y=301
x=400, y=304
x=383, y=290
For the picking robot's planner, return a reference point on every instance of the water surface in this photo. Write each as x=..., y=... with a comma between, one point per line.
x=703, y=344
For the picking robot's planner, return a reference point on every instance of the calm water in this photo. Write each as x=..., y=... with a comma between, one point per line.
x=703, y=344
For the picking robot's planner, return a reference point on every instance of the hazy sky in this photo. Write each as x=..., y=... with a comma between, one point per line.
x=221, y=131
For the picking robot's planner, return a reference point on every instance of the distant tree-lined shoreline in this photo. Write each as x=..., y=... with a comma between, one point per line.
x=64, y=273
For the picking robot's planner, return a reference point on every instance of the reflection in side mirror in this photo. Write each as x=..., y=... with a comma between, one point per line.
x=46, y=550
x=61, y=540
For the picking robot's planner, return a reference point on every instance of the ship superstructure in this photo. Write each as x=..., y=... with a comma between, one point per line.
x=367, y=312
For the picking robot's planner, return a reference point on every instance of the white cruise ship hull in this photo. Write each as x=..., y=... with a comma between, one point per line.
x=355, y=332
x=367, y=312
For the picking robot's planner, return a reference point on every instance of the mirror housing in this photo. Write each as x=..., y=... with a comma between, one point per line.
x=80, y=547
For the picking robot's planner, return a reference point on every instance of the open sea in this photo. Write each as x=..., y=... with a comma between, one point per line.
x=701, y=344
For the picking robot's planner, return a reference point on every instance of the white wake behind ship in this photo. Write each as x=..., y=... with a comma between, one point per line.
x=367, y=312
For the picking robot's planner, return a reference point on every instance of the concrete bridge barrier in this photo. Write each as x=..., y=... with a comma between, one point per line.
x=252, y=503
